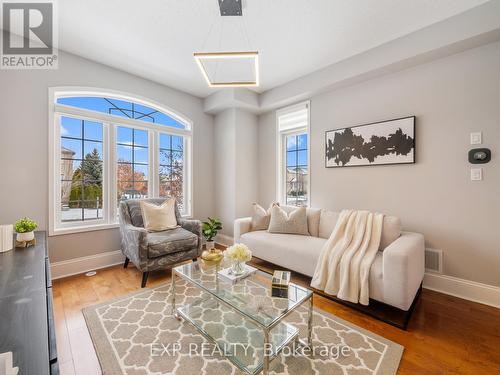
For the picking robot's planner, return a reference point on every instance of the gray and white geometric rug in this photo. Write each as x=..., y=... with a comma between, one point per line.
x=137, y=335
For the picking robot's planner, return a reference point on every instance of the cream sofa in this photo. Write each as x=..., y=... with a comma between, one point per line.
x=396, y=273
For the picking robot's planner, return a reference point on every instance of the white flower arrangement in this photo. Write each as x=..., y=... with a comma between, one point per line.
x=238, y=252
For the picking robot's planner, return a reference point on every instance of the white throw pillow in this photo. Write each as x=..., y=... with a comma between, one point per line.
x=159, y=217
x=260, y=217
x=294, y=222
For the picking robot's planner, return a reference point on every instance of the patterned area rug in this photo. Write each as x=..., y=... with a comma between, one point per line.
x=137, y=335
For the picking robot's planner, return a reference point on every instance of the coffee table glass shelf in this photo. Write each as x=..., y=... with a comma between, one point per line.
x=242, y=318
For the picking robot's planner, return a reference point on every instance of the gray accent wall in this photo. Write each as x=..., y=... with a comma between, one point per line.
x=451, y=98
x=24, y=145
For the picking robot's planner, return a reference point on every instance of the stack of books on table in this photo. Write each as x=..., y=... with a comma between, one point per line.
x=227, y=273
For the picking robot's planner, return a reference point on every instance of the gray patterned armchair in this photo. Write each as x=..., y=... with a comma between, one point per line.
x=150, y=251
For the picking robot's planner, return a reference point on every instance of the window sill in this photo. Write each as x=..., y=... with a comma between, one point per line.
x=91, y=228
x=82, y=229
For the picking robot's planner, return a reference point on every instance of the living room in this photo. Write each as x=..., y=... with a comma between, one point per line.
x=226, y=186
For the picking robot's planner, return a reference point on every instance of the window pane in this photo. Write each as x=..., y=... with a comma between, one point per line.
x=71, y=127
x=133, y=164
x=71, y=148
x=140, y=138
x=91, y=170
x=177, y=143
x=296, y=170
x=81, y=169
x=121, y=108
x=165, y=140
x=291, y=159
x=125, y=172
x=302, y=142
x=302, y=157
x=92, y=130
x=124, y=135
x=165, y=157
x=141, y=155
x=92, y=150
x=141, y=172
x=124, y=153
x=291, y=142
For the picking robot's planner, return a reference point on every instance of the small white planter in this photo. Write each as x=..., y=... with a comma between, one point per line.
x=209, y=245
x=24, y=237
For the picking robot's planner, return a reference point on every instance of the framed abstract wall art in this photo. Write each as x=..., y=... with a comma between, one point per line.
x=378, y=143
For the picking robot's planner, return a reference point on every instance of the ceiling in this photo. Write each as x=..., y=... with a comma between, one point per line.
x=156, y=39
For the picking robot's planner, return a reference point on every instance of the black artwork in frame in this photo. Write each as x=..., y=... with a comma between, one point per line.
x=362, y=144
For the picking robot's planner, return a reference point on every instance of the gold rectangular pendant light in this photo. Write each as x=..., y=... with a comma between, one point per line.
x=200, y=57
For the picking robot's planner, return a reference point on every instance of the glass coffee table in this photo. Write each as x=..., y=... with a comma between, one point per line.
x=242, y=319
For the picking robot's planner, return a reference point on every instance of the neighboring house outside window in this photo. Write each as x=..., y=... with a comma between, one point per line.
x=293, y=155
x=109, y=147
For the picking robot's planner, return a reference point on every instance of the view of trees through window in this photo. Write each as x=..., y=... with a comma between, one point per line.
x=133, y=163
x=171, y=169
x=112, y=150
x=81, y=169
x=297, y=170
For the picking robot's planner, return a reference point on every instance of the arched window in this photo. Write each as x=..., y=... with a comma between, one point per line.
x=107, y=147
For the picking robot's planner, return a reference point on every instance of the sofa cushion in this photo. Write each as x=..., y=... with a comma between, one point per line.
x=391, y=227
x=260, y=217
x=391, y=231
x=295, y=252
x=170, y=241
x=294, y=222
x=327, y=222
x=313, y=217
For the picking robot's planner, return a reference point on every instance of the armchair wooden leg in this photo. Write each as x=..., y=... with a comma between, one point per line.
x=144, y=279
x=125, y=265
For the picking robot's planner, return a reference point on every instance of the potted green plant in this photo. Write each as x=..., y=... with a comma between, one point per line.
x=25, y=229
x=209, y=230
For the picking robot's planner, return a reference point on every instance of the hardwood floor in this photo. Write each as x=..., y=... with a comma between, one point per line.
x=446, y=335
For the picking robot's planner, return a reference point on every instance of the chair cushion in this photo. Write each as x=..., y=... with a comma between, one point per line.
x=158, y=218
x=134, y=208
x=170, y=241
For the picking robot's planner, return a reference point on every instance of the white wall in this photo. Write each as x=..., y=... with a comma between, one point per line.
x=24, y=147
x=451, y=97
x=235, y=159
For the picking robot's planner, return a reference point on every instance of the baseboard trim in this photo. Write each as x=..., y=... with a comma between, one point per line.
x=81, y=265
x=469, y=290
x=224, y=240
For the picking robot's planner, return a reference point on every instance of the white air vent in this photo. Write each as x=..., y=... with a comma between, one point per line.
x=434, y=260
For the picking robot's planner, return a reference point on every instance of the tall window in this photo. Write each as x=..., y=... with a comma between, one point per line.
x=293, y=158
x=106, y=149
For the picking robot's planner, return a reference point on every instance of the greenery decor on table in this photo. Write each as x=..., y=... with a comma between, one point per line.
x=24, y=228
x=25, y=225
x=210, y=228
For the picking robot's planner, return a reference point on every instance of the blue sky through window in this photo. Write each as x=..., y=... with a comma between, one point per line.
x=121, y=108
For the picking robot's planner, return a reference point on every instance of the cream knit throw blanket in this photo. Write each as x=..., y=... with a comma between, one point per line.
x=343, y=267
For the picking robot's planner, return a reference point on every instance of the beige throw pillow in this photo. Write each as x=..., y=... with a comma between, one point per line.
x=260, y=217
x=294, y=222
x=159, y=217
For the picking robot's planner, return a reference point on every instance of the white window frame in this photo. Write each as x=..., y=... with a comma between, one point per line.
x=110, y=124
x=281, y=150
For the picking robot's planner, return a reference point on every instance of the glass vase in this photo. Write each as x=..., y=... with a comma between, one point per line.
x=238, y=268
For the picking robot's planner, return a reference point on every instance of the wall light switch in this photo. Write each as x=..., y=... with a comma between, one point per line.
x=476, y=138
x=476, y=174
